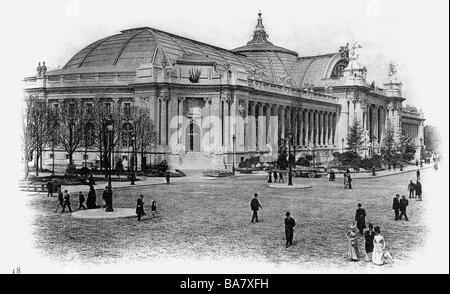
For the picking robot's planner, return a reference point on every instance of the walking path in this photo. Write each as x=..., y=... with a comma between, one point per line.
x=385, y=173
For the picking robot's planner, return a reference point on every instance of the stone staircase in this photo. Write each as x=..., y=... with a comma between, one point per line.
x=195, y=161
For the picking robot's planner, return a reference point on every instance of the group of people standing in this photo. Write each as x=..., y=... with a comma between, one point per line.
x=64, y=200
x=277, y=176
x=374, y=246
x=140, y=208
x=347, y=179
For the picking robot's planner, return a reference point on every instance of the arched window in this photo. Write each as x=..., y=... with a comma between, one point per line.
x=127, y=130
x=338, y=70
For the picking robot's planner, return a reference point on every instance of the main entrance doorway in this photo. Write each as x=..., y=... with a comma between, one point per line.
x=193, y=137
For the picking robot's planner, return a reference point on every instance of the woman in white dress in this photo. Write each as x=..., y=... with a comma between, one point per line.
x=380, y=254
x=352, y=246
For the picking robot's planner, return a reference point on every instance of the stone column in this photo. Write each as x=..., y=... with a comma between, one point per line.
x=252, y=126
x=261, y=127
x=308, y=127
x=226, y=123
x=319, y=128
x=327, y=129
x=333, y=131
x=216, y=123
x=316, y=128
x=163, y=120
x=180, y=120
x=301, y=126
x=268, y=124
x=274, y=127
x=282, y=114
x=246, y=125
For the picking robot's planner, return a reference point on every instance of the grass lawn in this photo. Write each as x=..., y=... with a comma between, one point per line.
x=211, y=219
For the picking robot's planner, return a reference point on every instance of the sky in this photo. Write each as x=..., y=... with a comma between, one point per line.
x=411, y=33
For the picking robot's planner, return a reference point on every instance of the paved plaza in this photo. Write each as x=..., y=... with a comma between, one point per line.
x=206, y=218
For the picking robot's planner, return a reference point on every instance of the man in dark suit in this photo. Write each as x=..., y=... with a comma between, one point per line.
x=349, y=180
x=402, y=205
x=289, y=224
x=360, y=218
x=66, y=202
x=396, y=205
x=255, y=206
x=140, y=207
x=411, y=188
x=418, y=187
x=369, y=235
x=418, y=175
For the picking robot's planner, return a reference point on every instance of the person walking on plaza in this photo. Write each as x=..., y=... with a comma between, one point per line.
x=411, y=189
x=402, y=205
x=66, y=202
x=140, y=207
x=352, y=247
x=81, y=200
x=394, y=165
x=380, y=255
x=167, y=177
x=281, y=177
x=349, y=180
x=418, y=175
x=60, y=200
x=389, y=167
x=255, y=206
x=289, y=224
x=368, y=236
x=332, y=176
x=418, y=187
x=396, y=206
x=421, y=163
x=91, y=198
x=275, y=176
x=269, y=178
x=360, y=218
x=435, y=166
x=153, y=208
x=345, y=180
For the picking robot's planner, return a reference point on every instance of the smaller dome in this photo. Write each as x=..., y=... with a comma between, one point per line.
x=260, y=43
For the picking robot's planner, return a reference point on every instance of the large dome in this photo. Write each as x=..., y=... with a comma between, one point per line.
x=129, y=49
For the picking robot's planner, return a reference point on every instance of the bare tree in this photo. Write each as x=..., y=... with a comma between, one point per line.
x=71, y=121
x=53, y=126
x=103, y=110
x=145, y=131
x=35, y=128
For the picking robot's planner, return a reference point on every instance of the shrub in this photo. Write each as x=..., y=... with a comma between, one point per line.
x=71, y=170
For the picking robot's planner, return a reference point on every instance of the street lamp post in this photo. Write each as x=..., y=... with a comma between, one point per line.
x=109, y=127
x=133, y=140
x=234, y=153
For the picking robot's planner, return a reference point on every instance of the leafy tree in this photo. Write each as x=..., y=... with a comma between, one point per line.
x=406, y=147
x=355, y=136
x=53, y=138
x=282, y=161
x=431, y=138
x=389, y=145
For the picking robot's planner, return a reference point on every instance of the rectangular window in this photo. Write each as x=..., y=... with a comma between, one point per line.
x=50, y=155
x=67, y=156
x=108, y=108
x=85, y=156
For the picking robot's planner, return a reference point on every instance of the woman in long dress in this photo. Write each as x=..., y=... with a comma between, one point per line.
x=380, y=254
x=352, y=247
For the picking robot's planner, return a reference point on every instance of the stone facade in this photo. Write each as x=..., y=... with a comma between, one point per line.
x=208, y=103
